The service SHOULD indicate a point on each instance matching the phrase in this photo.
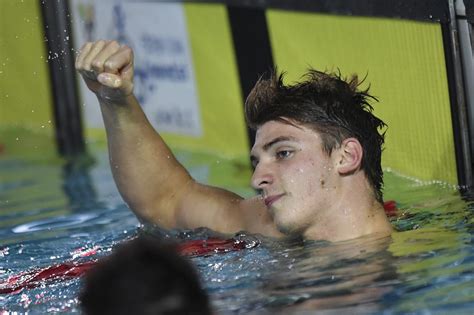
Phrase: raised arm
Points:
(150, 179)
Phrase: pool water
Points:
(52, 213)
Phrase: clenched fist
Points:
(107, 68)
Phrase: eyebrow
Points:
(269, 144)
(272, 142)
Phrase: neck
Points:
(353, 212)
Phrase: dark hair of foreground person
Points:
(143, 276)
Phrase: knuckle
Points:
(97, 63)
(98, 44)
(129, 52)
(113, 43)
(87, 44)
(83, 49)
(109, 64)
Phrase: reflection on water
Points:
(299, 276)
(54, 213)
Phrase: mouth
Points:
(272, 199)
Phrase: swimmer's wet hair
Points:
(329, 104)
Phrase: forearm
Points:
(144, 168)
(148, 176)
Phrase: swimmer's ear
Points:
(349, 157)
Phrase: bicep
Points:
(224, 211)
(211, 207)
(195, 205)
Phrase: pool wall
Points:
(403, 49)
(26, 114)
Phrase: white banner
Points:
(164, 74)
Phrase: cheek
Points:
(309, 181)
(294, 177)
(302, 183)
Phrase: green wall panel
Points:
(217, 82)
(26, 122)
(404, 63)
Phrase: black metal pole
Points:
(467, 61)
(67, 115)
(252, 48)
(458, 100)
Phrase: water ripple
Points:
(57, 222)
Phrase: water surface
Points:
(52, 213)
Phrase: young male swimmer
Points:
(316, 156)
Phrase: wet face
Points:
(296, 178)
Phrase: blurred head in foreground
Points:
(143, 276)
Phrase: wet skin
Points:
(304, 190)
(296, 178)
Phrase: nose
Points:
(262, 176)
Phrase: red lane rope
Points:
(211, 245)
(33, 278)
(390, 208)
(36, 277)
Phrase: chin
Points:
(287, 227)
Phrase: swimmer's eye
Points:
(283, 154)
(253, 162)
